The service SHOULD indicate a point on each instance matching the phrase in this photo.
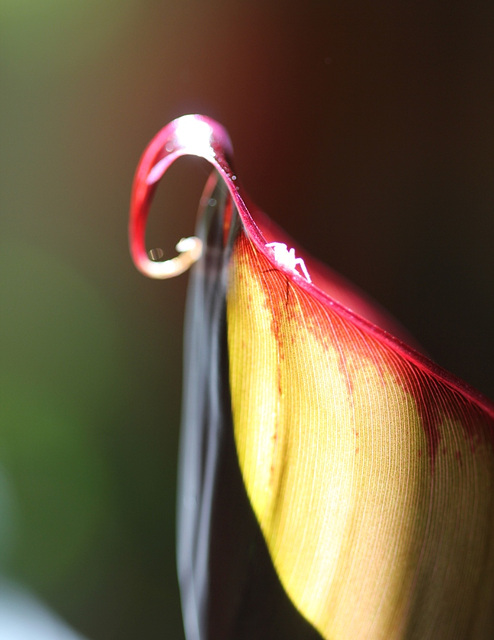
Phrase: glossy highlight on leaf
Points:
(368, 468)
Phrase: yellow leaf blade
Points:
(376, 518)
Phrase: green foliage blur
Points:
(90, 351)
(365, 129)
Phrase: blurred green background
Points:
(365, 129)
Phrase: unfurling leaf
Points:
(326, 466)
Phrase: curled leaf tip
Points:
(189, 249)
(188, 135)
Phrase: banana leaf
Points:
(334, 482)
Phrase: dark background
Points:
(365, 128)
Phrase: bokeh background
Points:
(365, 128)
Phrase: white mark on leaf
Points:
(287, 258)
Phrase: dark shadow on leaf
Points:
(230, 590)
